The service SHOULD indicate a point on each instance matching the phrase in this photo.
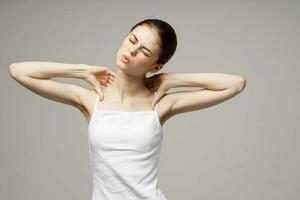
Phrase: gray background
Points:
(245, 148)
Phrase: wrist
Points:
(80, 71)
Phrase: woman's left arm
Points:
(209, 81)
(216, 88)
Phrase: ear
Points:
(156, 68)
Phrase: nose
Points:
(133, 49)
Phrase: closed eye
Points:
(143, 51)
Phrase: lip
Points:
(125, 58)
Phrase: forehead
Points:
(147, 36)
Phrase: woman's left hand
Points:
(158, 83)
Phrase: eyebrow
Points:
(143, 46)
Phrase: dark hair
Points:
(167, 37)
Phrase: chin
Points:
(121, 65)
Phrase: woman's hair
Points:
(167, 37)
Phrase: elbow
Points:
(13, 70)
(241, 84)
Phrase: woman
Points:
(124, 122)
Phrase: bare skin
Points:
(109, 103)
(132, 104)
(126, 89)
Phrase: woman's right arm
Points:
(36, 76)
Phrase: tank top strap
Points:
(156, 106)
(96, 102)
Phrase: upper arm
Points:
(61, 92)
(186, 101)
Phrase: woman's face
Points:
(141, 47)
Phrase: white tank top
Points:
(124, 152)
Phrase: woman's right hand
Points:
(97, 75)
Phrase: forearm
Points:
(210, 81)
(42, 70)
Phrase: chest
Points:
(138, 131)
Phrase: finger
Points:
(106, 82)
(111, 81)
(107, 75)
(108, 72)
(98, 89)
(112, 73)
(112, 78)
(103, 82)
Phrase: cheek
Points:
(143, 59)
(124, 45)
(141, 64)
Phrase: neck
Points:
(128, 87)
